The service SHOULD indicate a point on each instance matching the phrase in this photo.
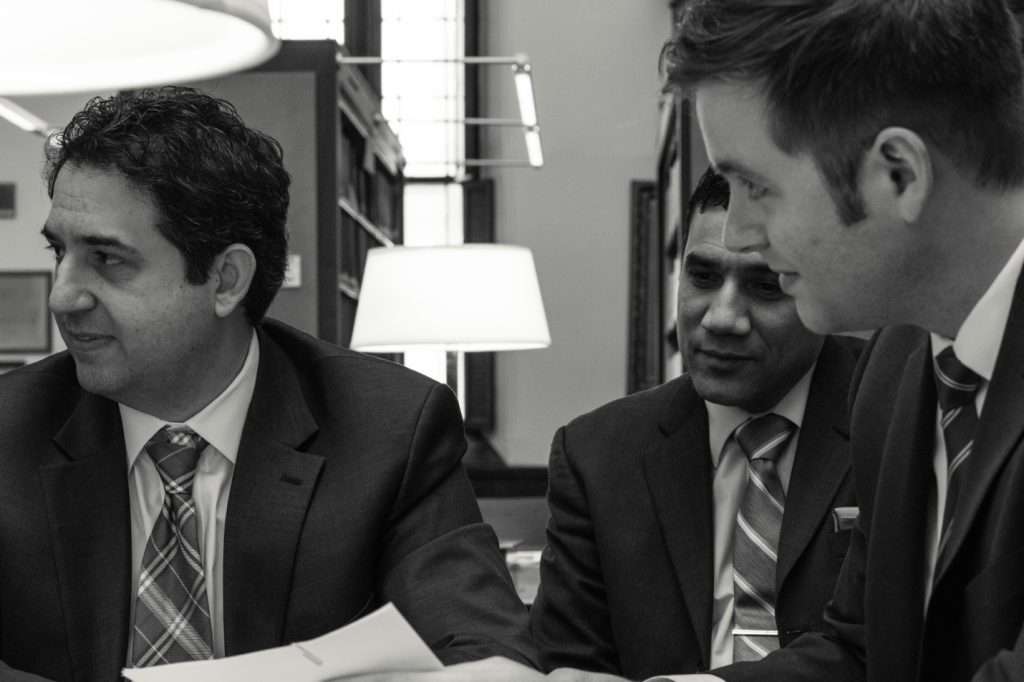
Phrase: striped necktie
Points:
(956, 386)
(172, 615)
(756, 538)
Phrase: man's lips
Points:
(85, 340)
(724, 355)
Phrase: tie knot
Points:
(954, 382)
(765, 437)
(175, 451)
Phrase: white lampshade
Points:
(65, 46)
(473, 297)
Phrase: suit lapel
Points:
(897, 541)
(678, 473)
(821, 462)
(270, 492)
(88, 514)
(1000, 429)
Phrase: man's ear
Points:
(234, 269)
(898, 174)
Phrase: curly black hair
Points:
(214, 180)
(712, 191)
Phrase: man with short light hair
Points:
(875, 149)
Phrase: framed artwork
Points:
(24, 313)
(643, 368)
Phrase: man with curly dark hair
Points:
(190, 480)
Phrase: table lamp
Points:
(471, 297)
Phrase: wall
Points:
(597, 89)
(21, 245)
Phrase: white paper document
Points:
(383, 641)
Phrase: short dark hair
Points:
(214, 180)
(712, 191)
(834, 73)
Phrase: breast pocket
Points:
(838, 545)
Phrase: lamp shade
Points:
(473, 297)
(65, 46)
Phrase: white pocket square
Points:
(843, 518)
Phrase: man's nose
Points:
(728, 312)
(69, 293)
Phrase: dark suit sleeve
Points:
(438, 562)
(10, 675)
(570, 618)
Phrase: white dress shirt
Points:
(220, 423)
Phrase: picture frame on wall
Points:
(644, 361)
(24, 312)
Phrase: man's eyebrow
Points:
(749, 269)
(93, 240)
(698, 260)
(760, 269)
(731, 167)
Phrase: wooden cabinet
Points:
(346, 167)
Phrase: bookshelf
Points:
(347, 176)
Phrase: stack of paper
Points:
(380, 642)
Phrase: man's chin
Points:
(730, 391)
(98, 380)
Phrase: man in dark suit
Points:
(190, 480)
(880, 148)
(637, 578)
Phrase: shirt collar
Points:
(220, 423)
(979, 337)
(723, 419)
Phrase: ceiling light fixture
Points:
(523, 80)
(23, 118)
(65, 46)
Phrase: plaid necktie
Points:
(956, 386)
(756, 538)
(172, 616)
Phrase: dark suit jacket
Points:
(974, 625)
(627, 575)
(348, 492)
